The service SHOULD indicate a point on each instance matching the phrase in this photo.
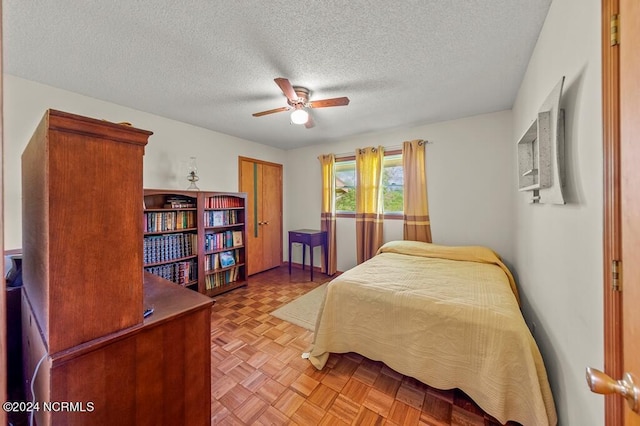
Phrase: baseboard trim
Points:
(306, 268)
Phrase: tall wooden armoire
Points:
(262, 181)
(85, 341)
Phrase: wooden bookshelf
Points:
(170, 242)
(224, 233)
(196, 238)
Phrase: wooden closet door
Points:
(248, 183)
(262, 181)
(271, 227)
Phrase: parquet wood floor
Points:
(259, 378)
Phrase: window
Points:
(392, 184)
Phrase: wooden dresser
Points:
(98, 361)
(155, 373)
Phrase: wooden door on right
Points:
(630, 196)
(262, 181)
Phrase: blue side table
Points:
(311, 238)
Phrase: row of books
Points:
(223, 202)
(220, 260)
(179, 202)
(221, 217)
(183, 273)
(169, 221)
(222, 240)
(162, 248)
(220, 279)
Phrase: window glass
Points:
(346, 186)
(392, 182)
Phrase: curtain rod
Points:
(386, 148)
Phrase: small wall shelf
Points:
(541, 152)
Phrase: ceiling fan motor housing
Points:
(303, 97)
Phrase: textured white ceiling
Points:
(211, 63)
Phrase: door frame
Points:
(3, 286)
(613, 355)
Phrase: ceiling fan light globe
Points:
(299, 116)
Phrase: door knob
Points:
(601, 383)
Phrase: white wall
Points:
(559, 248)
(469, 179)
(166, 155)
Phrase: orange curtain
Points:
(369, 207)
(417, 225)
(328, 212)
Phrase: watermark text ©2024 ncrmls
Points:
(51, 406)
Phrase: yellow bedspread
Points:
(447, 316)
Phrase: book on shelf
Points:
(218, 218)
(169, 221)
(183, 273)
(179, 203)
(175, 205)
(212, 262)
(237, 238)
(221, 217)
(164, 248)
(222, 278)
(223, 202)
(227, 259)
(218, 241)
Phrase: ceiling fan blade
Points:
(323, 103)
(286, 88)
(309, 124)
(271, 111)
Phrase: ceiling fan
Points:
(298, 100)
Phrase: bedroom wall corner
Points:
(559, 247)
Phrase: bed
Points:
(447, 316)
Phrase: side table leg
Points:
(326, 254)
(289, 256)
(311, 260)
